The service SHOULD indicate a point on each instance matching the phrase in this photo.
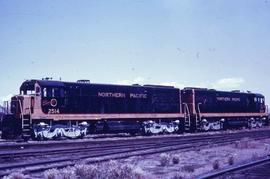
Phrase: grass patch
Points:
(16, 175)
(231, 160)
(175, 159)
(107, 170)
(216, 165)
(164, 159)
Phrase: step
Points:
(26, 135)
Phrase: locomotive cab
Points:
(260, 103)
(18, 123)
(26, 99)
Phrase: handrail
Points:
(199, 114)
(24, 112)
(186, 106)
(21, 108)
(20, 105)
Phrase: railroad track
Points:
(255, 169)
(36, 144)
(7, 155)
(61, 154)
(21, 151)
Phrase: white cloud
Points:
(228, 83)
(142, 81)
(175, 84)
(138, 80)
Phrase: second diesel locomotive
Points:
(47, 109)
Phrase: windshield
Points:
(27, 92)
(52, 92)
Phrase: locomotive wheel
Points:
(206, 126)
(252, 123)
(92, 128)
(106, 127)
(221, 125)
(260, 123)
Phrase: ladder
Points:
(26, 121)
(26, 126)
(187, 117)
(198, 118)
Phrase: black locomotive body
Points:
(86, 98)
(212, 109)
(46, 109)
(52, 108)
(212, 101)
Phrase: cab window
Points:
(27, 92)
(51, 92)
(55, 92)
(44, 92)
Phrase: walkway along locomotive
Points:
(47, 109)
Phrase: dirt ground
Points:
(177, 164)
(190, 164)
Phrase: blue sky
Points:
(222, 44)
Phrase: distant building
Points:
(2, 110)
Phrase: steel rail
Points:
(46, 151)
(125, 152)
(236, 168)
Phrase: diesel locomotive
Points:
(48, 109)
